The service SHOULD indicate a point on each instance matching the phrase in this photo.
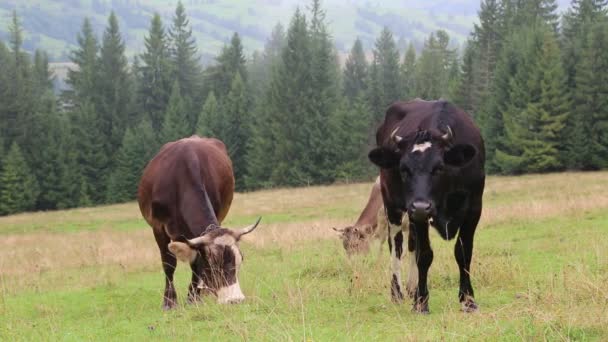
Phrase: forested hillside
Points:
(52, 25)
(290, 114)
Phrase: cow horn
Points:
(394, 137)
(341, 231)
(248, 229)
(448, 135)
(201, 240)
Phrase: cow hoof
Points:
(169, 305)
(421, 306)
(469, 305)
(396, 296)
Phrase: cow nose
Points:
(420, 210)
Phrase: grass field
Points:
(540, 272)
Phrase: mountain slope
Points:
(53, 24)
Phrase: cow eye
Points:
(437, 170)
(406, 170)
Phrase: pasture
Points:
(540, 272)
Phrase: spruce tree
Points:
(176, 124)
(237, 130)
(385, 84)
(408, 73)
(588, 143)
(355, 72)
(185, 62)
(89, 154)
(230, 62)
(464, 93)
(138, 146)
(260, 68)
(83, 79)
(18, 187)
(210, 123)
(156, 74)
(116, 111)
(325, 74)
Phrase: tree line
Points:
(292, 114)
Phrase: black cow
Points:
(432, 158)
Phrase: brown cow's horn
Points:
(341, 231)
(201, 240)
(249, 229)
(448, 135)
(396, 138)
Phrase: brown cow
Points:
(184, 194)
(370, 224)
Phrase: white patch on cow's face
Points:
(224, 240)
(422, 147)
(231, 294)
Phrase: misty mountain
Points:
(52, 25)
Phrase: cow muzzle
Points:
(231, 294)
(420, 210)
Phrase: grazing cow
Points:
(432, 158)
(184, 194)
(370, 224)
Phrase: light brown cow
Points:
(370, 225)
(184, 195)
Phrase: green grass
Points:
(541, 278)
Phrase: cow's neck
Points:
(203, 218)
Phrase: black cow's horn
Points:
(396, 138)
(448, 135)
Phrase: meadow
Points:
(540, 272)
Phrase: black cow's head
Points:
(426, 161)
(215, 258)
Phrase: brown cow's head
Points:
(426, 161)
(215, 258)
(356, 239)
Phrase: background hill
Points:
(52, 25)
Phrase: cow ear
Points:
(459, 155)
(384, 157)
(182, 251)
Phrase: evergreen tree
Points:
(355, 72)
(237, 130)
(324, 86)
(83, 79)
(534, 130)
(288, 104)
(116, 111)
(408, 73)
(155, 82)
(210, 123)
(18, 187)
(464, 93)
(138, 146)
(88, 154)
(176, 124)
(589, 141)
(260, 68)
(185, 61)
(230, 62)
(385, 85)
(18, 110)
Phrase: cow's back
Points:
(170, 174)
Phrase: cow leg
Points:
(169, 263)
(463, 251)
(194, 292)
(395, 245)
(424, 258)
(412, 272)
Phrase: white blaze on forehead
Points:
(224, 240)
(422, 147)
(230, 294)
